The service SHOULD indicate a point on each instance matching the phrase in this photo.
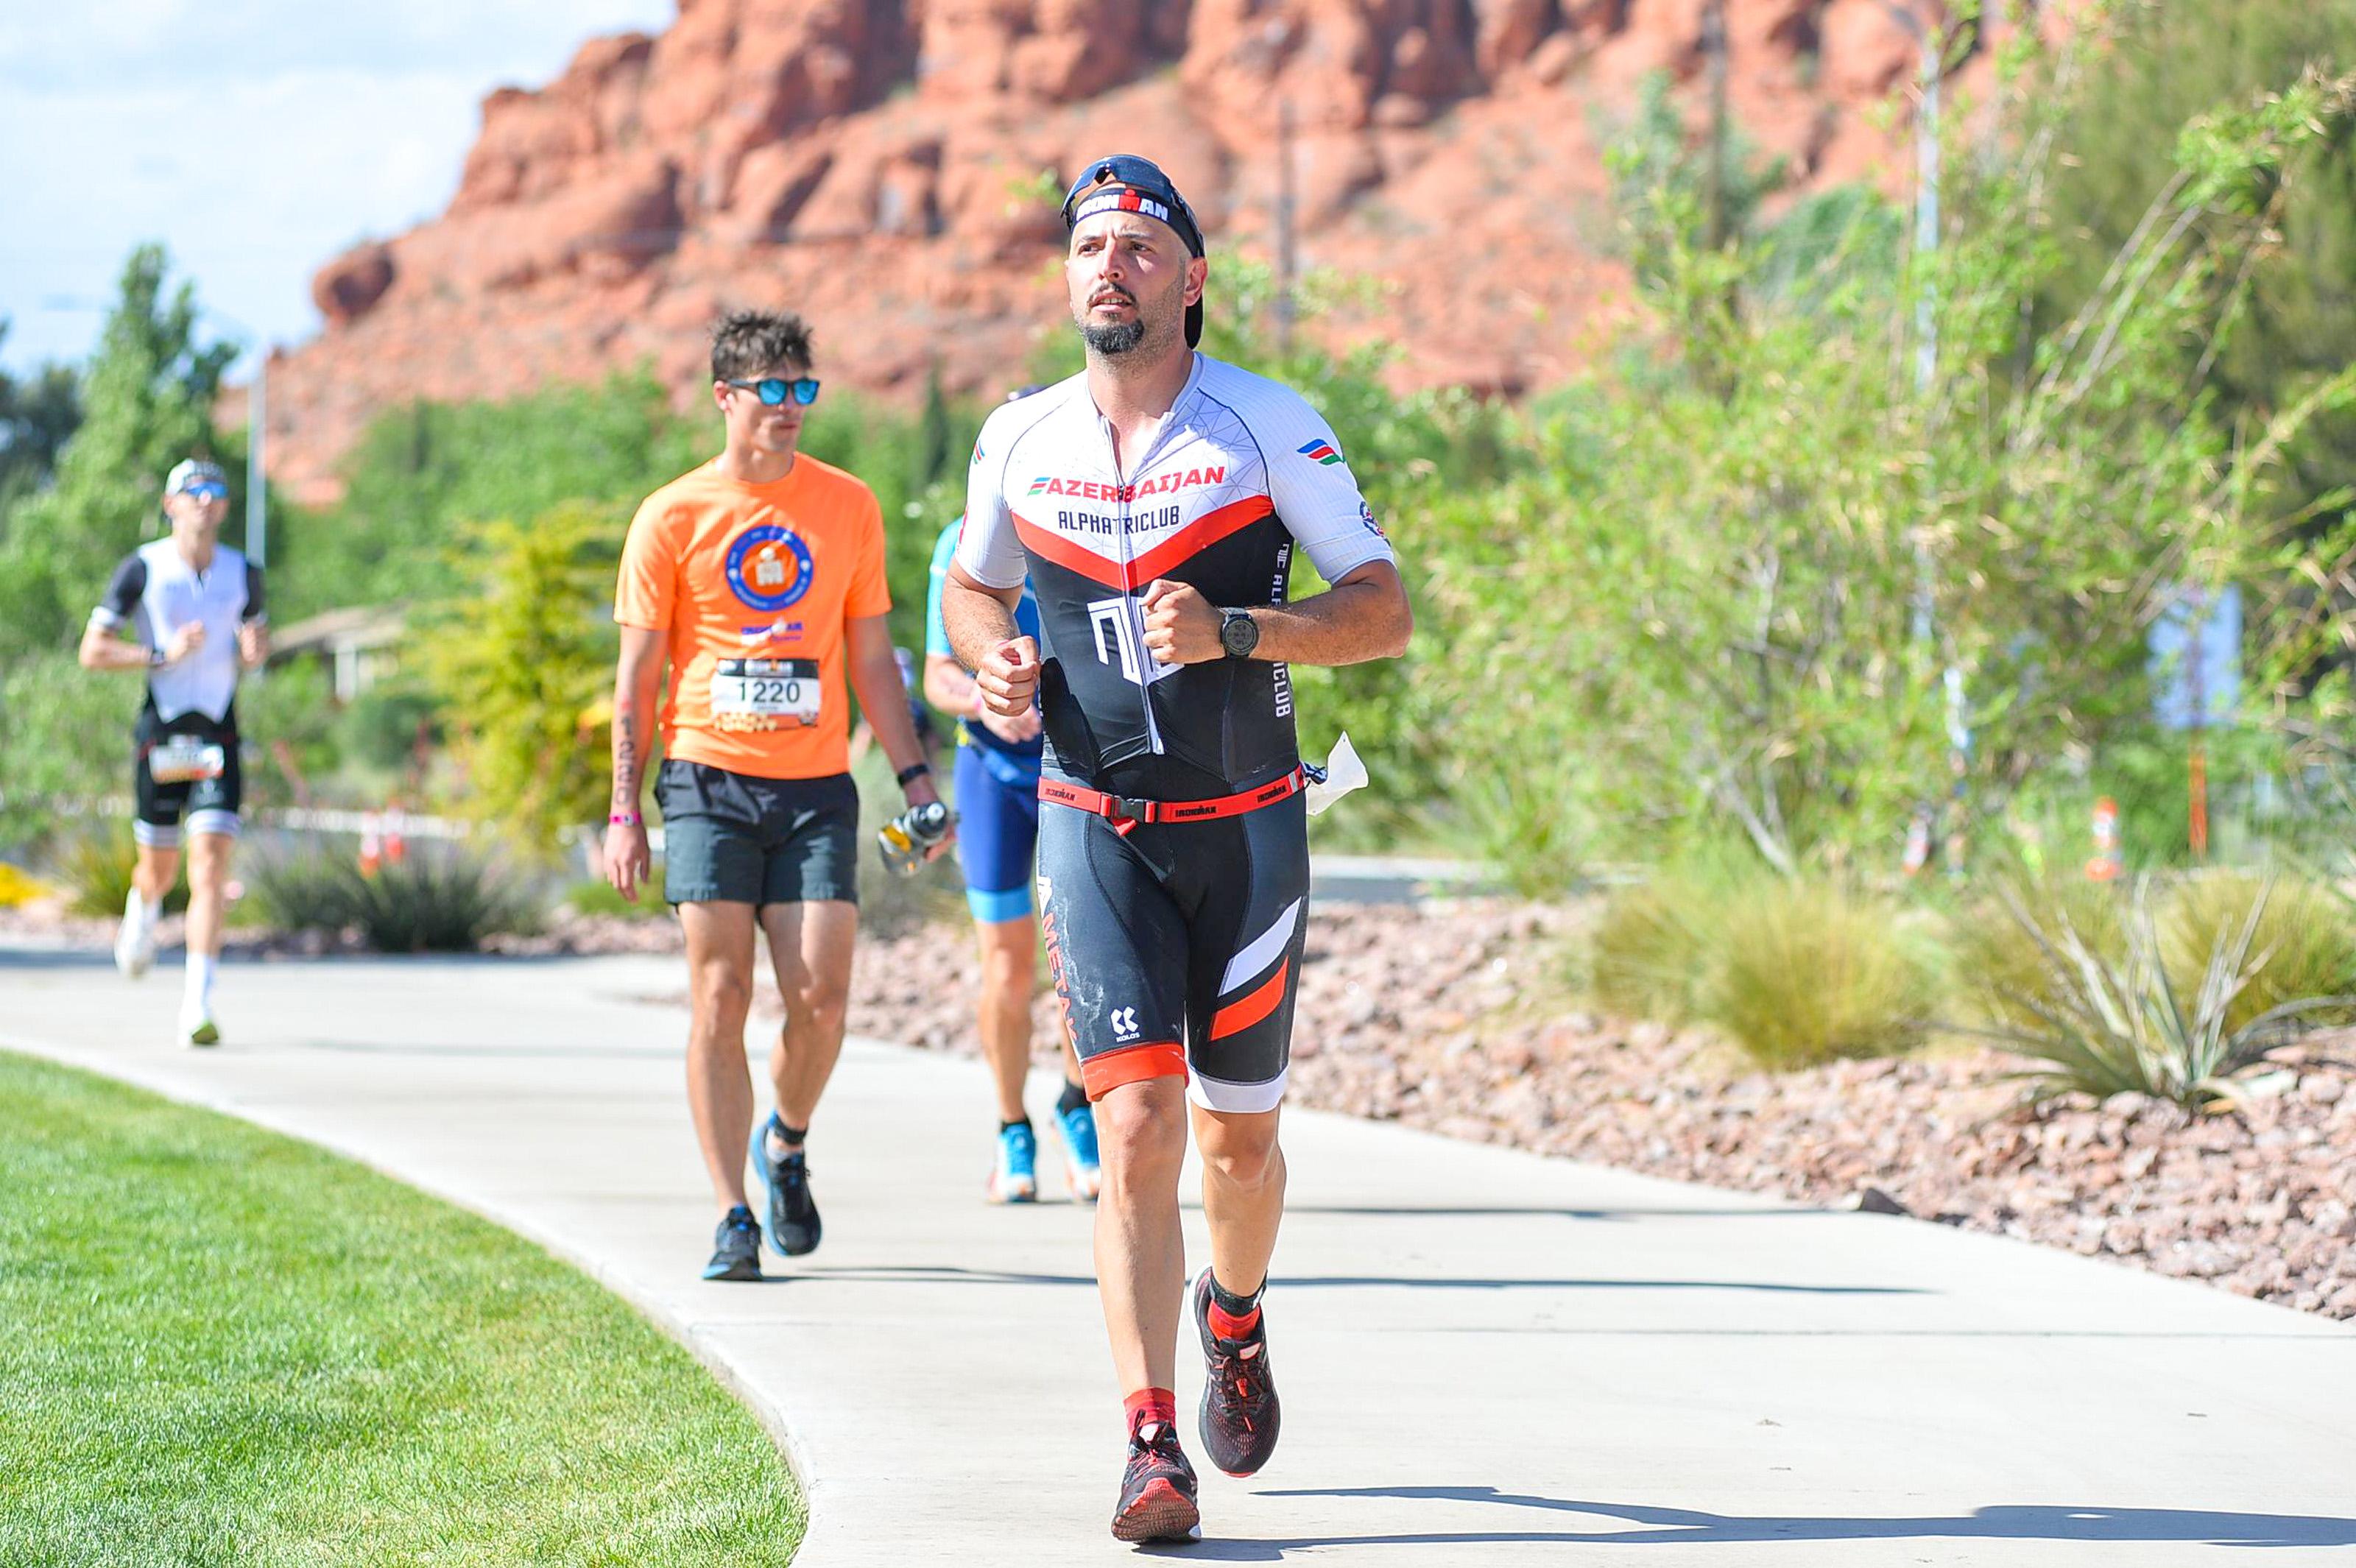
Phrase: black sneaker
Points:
(737, 1247)
(1240, 1413)
(1157, 1490)
(793, 1227)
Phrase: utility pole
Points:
(1924, 627)
(1284, 224)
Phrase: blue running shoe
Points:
(793, 1228)
(1080, 1167)
(1015, 1178)
(737, 1250)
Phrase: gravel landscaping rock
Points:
(1459, 1017)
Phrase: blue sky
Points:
(256, 138)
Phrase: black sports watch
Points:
(1238, 633)
(911, 772)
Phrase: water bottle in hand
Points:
(905, 840)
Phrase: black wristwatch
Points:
(911, 772)
(1238, 633)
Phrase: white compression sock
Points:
(199, 993)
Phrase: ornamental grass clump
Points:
(1646, 954)
(1805, 970)
(2303, 947)
(2104, 1023)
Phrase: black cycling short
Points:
(184, 769)
(732, 837)
(1176, 948)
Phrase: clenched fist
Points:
(1009, 677)
(1181, 625)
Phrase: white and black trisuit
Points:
(185, 764)
(1175, 944)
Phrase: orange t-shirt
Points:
(754, 583)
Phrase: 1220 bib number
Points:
(765, 694)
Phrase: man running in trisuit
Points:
(998, 829)
(188, 610)
(1154, 502)
(758, 580)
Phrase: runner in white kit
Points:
(187, 610)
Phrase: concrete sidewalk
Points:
(1486, 1357)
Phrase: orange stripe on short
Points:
(1100, 1075)
(1240, 1016)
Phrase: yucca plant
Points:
(2106, 1025)
(433, 901)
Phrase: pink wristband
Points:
(625, 819)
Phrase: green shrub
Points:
(1807, 970)
(65, 740)
(2106, 1024)
(435, 900)
(97, 863)
(2303, 947)
(307, 891)
(383, 726)
(1648, 950)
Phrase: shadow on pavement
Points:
(922, 1274)
(1405, 1212)
(1691, 1526)
(14, 956)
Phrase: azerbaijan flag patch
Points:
(1323, 452)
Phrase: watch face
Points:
(1240, 634)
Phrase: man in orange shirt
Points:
(758, 580)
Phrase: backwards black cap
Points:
(1126, 183)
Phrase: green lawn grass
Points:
(222, 1346)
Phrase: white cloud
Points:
(256, 138)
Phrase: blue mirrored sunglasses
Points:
(206, 490)
(772, 389)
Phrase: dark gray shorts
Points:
(736, 838)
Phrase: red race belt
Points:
(1129, 810)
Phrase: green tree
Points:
(39, 413)
(2167, 63)
(147, 400)
(1694, 620)
(522, 664)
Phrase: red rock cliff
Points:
(882, 167)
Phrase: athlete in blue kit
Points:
(998, 829)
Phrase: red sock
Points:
(1151, 1404)
(1227, 1324)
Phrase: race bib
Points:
(184, 759)
(765, 694)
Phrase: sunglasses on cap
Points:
(774, 389)
(206, 489)
(1132, 183)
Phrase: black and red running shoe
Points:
(1240, 1413)
(1157, 1490)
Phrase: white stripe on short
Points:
(1218, 1094)
(1263, 949)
